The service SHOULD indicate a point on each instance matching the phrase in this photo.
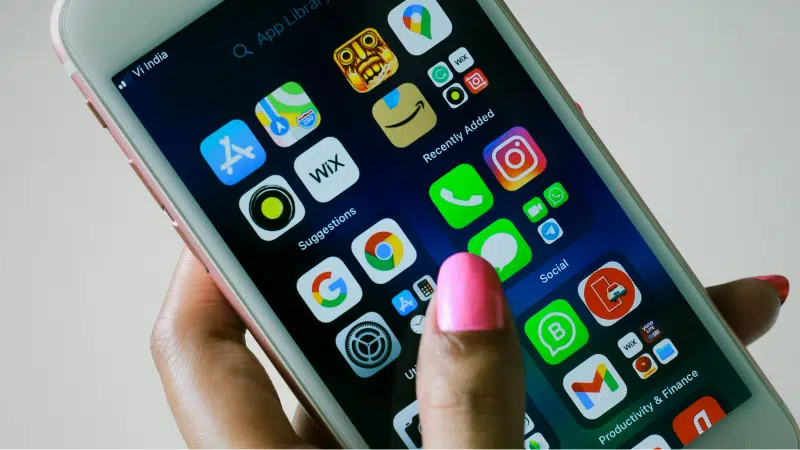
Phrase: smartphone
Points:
(322, 158)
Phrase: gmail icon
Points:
(595, 386)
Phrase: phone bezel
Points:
(129, 29)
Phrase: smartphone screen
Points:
(345, 148)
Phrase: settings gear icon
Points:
(368, 345)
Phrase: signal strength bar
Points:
(126, 80)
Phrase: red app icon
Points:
(697, 419)
(609, 293)
(476, 81)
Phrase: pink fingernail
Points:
(469, 295)
(779, 283)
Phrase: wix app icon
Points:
(326, 169)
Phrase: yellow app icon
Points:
(404, 115)
(366, 60)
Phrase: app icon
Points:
(697, 419)
(404, 115)
(515, 158)
(550, 231)
(366, 61)
(417, 324)
(425, 287)
(408, 427)
(420, 25)
(455, 96)
(440, 74)
(595, 386)
(233, 152)
(650, 332)
(665, 351)
(288, 114)
(405, 303)
(476, 81)
(653, 442)
(556, 332)
(272, 208)
(384, 251)
(609, 294)
(329, 289)
(326, 169)
(535, 210)
(645, 366)
(461, 196)
(630, 345)
(537, 442)
(556, 195)
(503, 246)
(461, 60)
(528, 425)
(368, 345)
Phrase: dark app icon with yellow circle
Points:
(404, 115)
(272, 208)
(456, 95)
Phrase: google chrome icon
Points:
(384, 251)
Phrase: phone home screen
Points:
(345, 148)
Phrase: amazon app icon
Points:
(404, 115)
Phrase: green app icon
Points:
(535, 210)
(461, 196)
(503, 246)
(556, 195)
(557, 332)
(440, 74)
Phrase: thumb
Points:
(470, 383)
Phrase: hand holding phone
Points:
(324, 159)
(198, 325)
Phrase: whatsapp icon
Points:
(556, 332)
(440, 74)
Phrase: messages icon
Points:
(503, 246)
(556, 332)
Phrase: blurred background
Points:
(696, 100)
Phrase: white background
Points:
(696, 100)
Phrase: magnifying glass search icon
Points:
(241, 51)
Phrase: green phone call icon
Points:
(461, 196)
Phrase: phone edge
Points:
(178, 222)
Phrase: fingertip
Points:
(779, 283)
(750, 306)
(469, 295)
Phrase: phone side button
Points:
(149, 189)
(96, 114)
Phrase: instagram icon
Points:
(515, 159)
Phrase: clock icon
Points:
(417, 324)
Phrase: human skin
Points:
(469, 373)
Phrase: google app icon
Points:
(384, 251)
(329, 289)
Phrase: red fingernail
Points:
(779, 283)
(469, 295)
